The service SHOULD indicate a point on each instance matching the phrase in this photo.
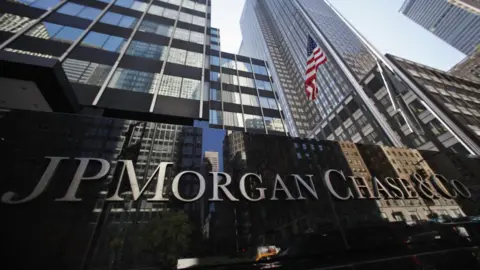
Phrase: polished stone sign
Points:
(388, 188)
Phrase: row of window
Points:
(173, 14)
(91, 73)
(243, 66)
(245, 99)
(240, 80)
(129, 22)
(114, 43)
(137, 5)
(42, 4)
(167, 30)
(234, 119)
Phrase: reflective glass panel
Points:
(191, 89)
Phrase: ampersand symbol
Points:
(423, 186)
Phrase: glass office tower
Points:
(266, 22)
(139, 60)
(345, 109)
(455, 25)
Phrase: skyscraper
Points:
(213, 158)
(363, 95)
(455, 25)
(100, 105)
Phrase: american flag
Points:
(315, 57)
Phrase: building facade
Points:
(156, 52)
(272, 222)
(364, 96)
(243, 96)
(104, 166)
(455, 25)
(469, 67)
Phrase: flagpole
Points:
(357, 87)
(464, 139)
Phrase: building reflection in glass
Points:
(100, 234)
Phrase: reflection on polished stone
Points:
(402, 222)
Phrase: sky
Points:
(226, 16)
(378, 20)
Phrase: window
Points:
(229, 79)
(215, 47)
(250, 100)
(215, 94)
(228, 63)
(231, 97)
(398, 216)
(140, 6)
(134, 80)
(244, 66)
(272, 103)
(156, 28)
(260, 70)
(436, 127)
(246, 82)
(264, 85)
(181, 34)
(71, 9)
(399, 119)
(184, 17)
(188, 4)
(199, 21)
(254, 122)
(190, 89)
(214, 76)
(200, 7)
(84, 72)
(177, 56)
(170, 86)
(170, 13)
(43, 4)
(118, 19)
(156, 10)
(417, 106)
(214, 61)
(89, 13)
(197, 37)
(194, 59)
(55, 32)
(216, 117)
(103, 41)
(233, 119)
(274, 124)
(214, 31)
(371, 137)
(264, 102)
(147, 50)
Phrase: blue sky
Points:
(378, 20)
